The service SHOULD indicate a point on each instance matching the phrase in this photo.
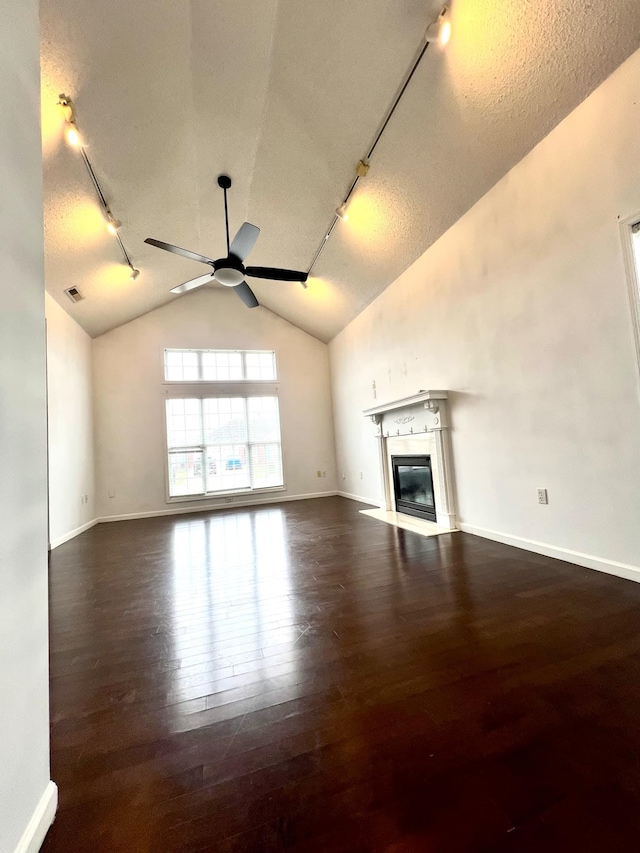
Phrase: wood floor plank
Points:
(304, 678)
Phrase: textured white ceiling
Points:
(286, 96)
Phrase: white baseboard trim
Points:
(367, 501)
(72, 533)
(611, 567)
(40, 821)
(178, 510)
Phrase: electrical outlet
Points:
(86, 499)
(324, 474)
(361, 477)
(373, 389)
(344, 475)
(112, 493)
(543, 498)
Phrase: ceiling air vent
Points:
(74, 294)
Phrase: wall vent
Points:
(74, 294)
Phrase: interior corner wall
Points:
(70, 426)
(129, 395)
(522, 311)
(26, 799)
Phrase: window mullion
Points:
(248, 444)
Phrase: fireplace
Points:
(418, 428)
(413, 486)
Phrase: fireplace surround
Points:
(417, 426)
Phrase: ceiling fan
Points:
(230, 271)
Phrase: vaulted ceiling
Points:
(286, 96)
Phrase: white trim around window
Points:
(630, 232)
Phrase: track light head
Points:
(341, 212)
(66, 105)
(113, 225)
(71, 131)
(440, 30)
(73, 135)
(445, 33)
(134, 274)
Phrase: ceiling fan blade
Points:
(176, 250)
(246, 294)
(244, 241)
(277, 274)
(195, 282)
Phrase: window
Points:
(635, 239)
(226, 438)
(204, 365)
(631, 241)
(219, 444)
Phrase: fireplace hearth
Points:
(413, 486)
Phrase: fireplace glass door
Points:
(413, 486)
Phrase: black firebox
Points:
(413, 486)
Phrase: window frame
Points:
(632, 266)
(242, 352)
(202, 389)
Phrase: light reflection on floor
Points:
(231, 596)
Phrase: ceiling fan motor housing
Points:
(228, 271)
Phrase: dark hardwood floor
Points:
(301, 677)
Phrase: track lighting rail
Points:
(75, 140)
(439, 29)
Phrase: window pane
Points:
(222, 366)
(264, 422)
(227, 467)
(184, 424)
(260, 365)
(181, 365)
(210, 366)
(235, 366)
(225, 420)
(266, 465)
(173, 365)
(186, 476)
(190, 365)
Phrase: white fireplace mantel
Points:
(413, 426)
(430, 399)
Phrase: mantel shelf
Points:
(421, 397)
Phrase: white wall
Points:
(129, 401)
(24, 681)
(70, 413)
(522, 310)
